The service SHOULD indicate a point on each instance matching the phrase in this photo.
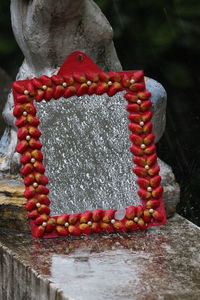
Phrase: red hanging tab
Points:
(78, 62)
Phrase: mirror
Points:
(74, 137)
(86, 153)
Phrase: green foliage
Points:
(10, 54)
(156, 35)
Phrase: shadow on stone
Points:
(5, 86)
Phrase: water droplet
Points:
(120, 214)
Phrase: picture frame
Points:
(79, 76)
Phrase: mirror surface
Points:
(86, 153)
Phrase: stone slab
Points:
(12, 211)
(162, 263)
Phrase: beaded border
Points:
(151, 211)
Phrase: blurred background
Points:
(162, 38)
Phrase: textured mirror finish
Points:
(86, 153)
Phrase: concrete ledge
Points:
(162, 263)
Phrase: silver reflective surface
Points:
(86, 153)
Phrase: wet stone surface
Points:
(162, 263)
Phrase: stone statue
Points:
(47, 32)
